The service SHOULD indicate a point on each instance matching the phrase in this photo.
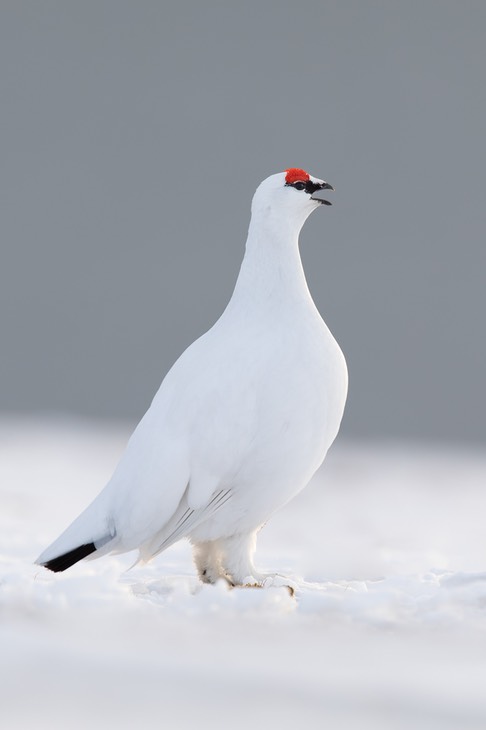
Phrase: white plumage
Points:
(242, 420)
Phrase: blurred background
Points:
(133, 138)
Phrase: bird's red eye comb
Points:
(295, 174)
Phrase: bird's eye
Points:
(299, 185)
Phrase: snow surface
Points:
(387, 549)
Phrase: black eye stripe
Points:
(309, 186)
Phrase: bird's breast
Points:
(266, 407)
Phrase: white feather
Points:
(242, 420)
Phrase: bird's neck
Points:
(271, 274)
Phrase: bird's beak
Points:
(318, 194)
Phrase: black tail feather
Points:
(73, 556)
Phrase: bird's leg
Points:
(208, 561)
(231, 559)
(237, 554)
(237, 564)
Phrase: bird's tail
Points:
(91, 534)
(62, 562)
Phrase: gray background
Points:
(133, 135)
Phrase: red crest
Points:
(295, 174)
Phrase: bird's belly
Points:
(286, 450)
(251, 504)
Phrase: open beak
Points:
(317, 195)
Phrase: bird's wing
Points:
(182, 523)
(195, 433)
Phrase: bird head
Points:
(292, 194)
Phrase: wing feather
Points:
(182, 523)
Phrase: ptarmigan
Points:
(240, 423)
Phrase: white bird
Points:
(241, 422)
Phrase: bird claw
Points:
(272, 580)
(280, 581)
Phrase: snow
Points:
(386, 549)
